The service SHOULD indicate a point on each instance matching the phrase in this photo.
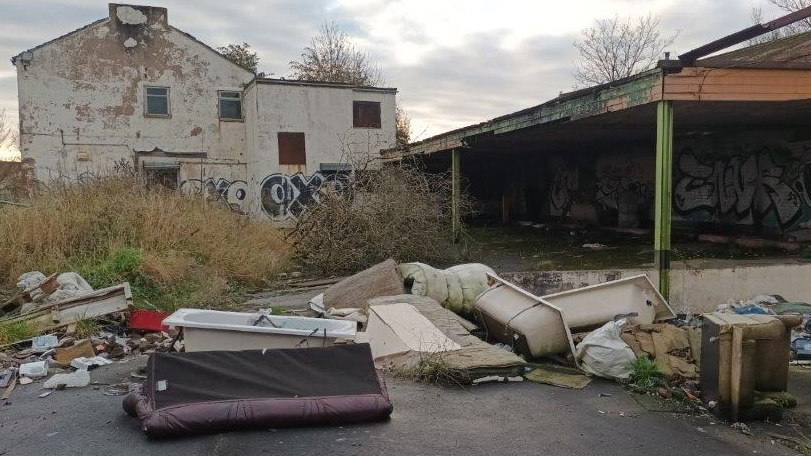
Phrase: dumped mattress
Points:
(456, 288)
(219, 391)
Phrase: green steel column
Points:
(456, 188)
(664, 190)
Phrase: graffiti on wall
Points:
(746, 188)
(622, 181)
(770, 186)
(233, 192)
(561, 193)
(285, 196)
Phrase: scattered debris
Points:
(742, 428)
(80, 349)
(148, 320)
(382, 279)
(603, 352)
(399, 334)
(45, 394)
(83, 363)
(77, 379)
(475, 358)
(558, 376)
(36, 369)
(455, 288)
(674, 349)
(42, 344)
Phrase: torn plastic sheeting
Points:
(83, 363)
(71, 285)
(456, 288)
(37, 369)
(603, 353)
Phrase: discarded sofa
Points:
(543, 326)
(219, 391)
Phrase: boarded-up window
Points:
(366, 114)
(291, 149)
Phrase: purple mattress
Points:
(218, 391)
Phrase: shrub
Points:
(397, 212)
(175, 250)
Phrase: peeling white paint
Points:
(84, 97)
(102, 31)
(129, 15)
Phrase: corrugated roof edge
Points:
(324, 84)
(477, 128)
(733, 58)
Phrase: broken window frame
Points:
(359, 121)
(285, 154)
(147, 95)
(238, 99)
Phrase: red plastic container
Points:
(148, 320)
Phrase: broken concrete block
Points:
(76, 379)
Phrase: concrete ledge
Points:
(692, 290)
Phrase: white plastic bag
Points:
(604, 354)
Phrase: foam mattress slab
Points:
(218, 391)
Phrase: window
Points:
(230, 105)
(291, 149)
(157, 102)
(366, 114)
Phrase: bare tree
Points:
(9, 137)
(402, 122)
(242, 55)
(616, 48)
(331, 56)
(788, 6)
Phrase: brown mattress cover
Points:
(217, 391)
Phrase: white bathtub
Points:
(205, 330)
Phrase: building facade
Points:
(132, 92)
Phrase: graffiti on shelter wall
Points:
(288, 196)
(561, 194)
(747, 188)
(615, 182)
(233, 192)
(769, 186)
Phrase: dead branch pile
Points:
(396, 212)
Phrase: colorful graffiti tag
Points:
(285, 196)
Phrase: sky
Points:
(454, 62)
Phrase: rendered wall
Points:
(82, 106)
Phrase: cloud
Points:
(456, 62)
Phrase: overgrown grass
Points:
(646, 375)
(86, 328)
(175, 250)
(14, 332)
